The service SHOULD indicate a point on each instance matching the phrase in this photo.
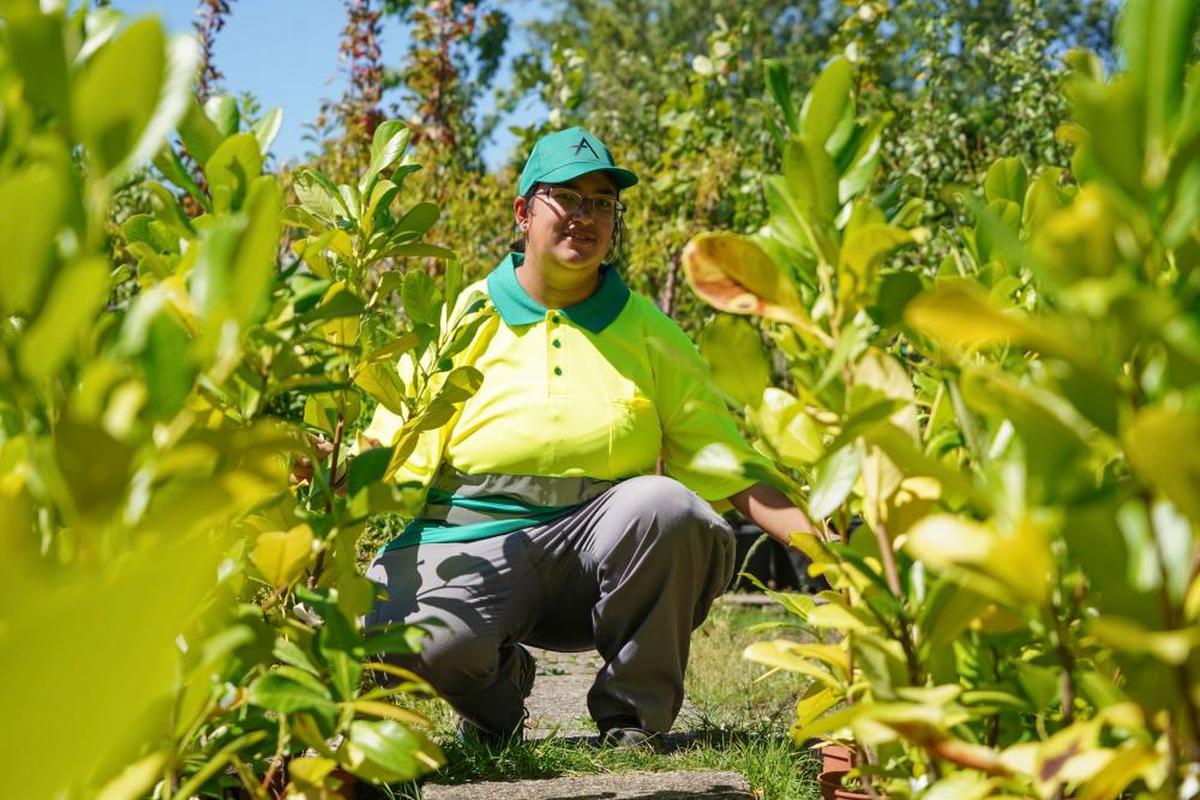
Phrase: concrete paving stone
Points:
(558, 704)
(618, 786)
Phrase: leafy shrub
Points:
(1001, 443)
(172, 613)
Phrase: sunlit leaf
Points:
(734, 274)
(740, 369)
(832, 480)
(281, 556)
(1152, 443)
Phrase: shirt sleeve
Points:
(695, 419)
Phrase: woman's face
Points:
(578, 239)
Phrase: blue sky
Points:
(285, 52)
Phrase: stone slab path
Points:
(558, 707)
(621, 786)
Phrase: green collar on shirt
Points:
(516, 307)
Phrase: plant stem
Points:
(338, 429)
(1067, 660)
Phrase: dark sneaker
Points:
(470, 732)
(630, 737)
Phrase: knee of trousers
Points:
(458, 663)
(673, 514)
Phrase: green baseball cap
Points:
(565, 155)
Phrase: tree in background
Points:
(344, 127)
(967, 83)
(210, 19)
(675, 88)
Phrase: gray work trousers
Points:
(630, 573)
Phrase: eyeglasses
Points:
(570, 201)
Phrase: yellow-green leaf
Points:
(1153, 445)
(788, 428)
(1170, 647)
(282, 555)
(740, 369)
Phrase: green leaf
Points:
(132, 93)
(1176, 542)
(367, 468)
(896, 289)
(398, 752)
(287, 691)
(421, 297)
(420, 250)
(398, 638)
(740, 369)
(281, 556)
(781, 90)
(828, 110)
(1053, 434)
(1012, 567)
(198, 133)
(338, 302)
(267, 128)
(168, 366)
(231, 169)
(1003, 221)
(35, 42)
(1152, 444)
(1156, 39)
(862, 255)
(419, 219)
(788, 428)
(173, 169)
(381, 381)
(33, 202)
(137, 779)
(957, 313)
(946, 613)
(75, 299)
(393, 350)
(99, 482)
(254, 264)
(1006, 180)
(833, 479)
(863, 161)
(319, 196)
(130, 614)
(811, 181)
(223, 111)
(1127, 635)
(461, 383)
(387, 147)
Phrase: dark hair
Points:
(616, 249)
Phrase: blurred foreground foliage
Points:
(999, 441)
(175, 617)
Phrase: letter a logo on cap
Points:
(583, 142)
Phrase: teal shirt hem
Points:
(427, 531)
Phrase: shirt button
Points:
(558, 370)
(557, 343)
(554, 319)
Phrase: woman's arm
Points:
(770, 509)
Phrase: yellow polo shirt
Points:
(571, 400)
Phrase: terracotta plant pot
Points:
(831, 787)
(836, 757)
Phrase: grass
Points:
(736, 722)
